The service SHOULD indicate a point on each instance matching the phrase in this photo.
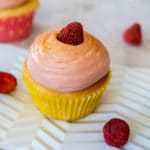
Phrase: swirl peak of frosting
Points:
(67, 68)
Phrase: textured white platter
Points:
(23, 127)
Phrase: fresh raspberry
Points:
(8, 82)
(133, 34)
(71, 34)
(116, 132)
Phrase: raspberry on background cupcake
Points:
(16, 18)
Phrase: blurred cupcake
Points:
(16, 17)
(66, 71)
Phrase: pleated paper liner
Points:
(16, 23)
(16, 28)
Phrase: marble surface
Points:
(104, 19)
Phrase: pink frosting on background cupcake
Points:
(11, 3)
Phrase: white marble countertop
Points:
(104, 19)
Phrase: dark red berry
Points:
(116, 132)
(8, 82)
(71, 34)
(133, 34)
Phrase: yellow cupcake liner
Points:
(28, 7)
(65, 106)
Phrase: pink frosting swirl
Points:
(11, 3)
(67, 68)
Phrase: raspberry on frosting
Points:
(71, 34)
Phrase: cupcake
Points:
(16, 17)
(66, 71)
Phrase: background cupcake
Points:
(16, 17)
(66, 71)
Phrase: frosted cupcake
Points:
(16, 18)
(66, 71)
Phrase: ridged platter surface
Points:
(23, 127)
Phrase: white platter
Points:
(23, 127)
